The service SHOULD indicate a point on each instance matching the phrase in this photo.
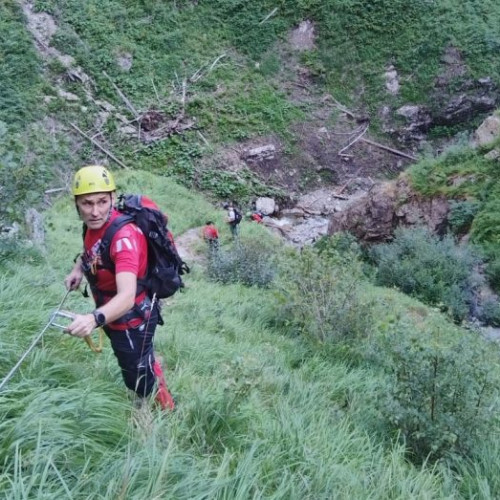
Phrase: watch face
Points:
(100, 319)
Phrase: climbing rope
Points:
(33, 344)
(57, 313)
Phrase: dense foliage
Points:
(245, 261)
(443, 392)
(437, 271)
(319, 297)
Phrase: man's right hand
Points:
(74, 278)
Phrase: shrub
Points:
(485, 226)
(436, 271)
(493, 272)
(319, 296)
(342, 244)
(489, 312)
(245, 262)
(461, 215)
(442, 398)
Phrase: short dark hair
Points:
(208, 222)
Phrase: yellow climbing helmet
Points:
(93, 179)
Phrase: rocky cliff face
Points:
(373, 217)
(455, 102)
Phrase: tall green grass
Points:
(259, 415)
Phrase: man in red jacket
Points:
(126, 313)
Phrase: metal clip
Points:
(61, 314)
(70, 317)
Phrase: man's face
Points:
(94, 208)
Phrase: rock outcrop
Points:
(455, 101)
(488, 131)
(373, 217)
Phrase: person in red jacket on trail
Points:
(257, 217)
(211, 235)
(125, 312)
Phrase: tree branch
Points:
(391, 150)
(102, 148)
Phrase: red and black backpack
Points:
(165, 266)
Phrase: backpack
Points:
(237, 216)
(165, 266)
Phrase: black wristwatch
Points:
(100, 319)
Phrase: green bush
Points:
(489, 313)
(319, 296)
(339, 245)
(245, 262)
(442, 398)
(485, 228)
(461, 215)
(436, 271)
(493, 270)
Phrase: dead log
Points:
(342, 188)
(102, 148)
(122, 95)
(166, 131)
(54, 190)
(356, 139)
(342, 107)
(391, 150)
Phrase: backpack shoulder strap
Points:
(108, 236)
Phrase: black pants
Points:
(133, 349)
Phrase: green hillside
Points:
(264, 409)
(223, 72)
(295, 375)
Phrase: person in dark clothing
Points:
(232, 219)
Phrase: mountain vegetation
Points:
(333, 372)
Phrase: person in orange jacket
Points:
(257, 217)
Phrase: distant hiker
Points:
(123, 306)
(233, 218)
(257, 216)
(211, 235)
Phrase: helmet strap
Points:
(110, 207)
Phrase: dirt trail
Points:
(187, 242)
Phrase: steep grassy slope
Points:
(260, 414)
(226, 66)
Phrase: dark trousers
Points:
(133, 349)
(213, 244)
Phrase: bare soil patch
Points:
(313, 161)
